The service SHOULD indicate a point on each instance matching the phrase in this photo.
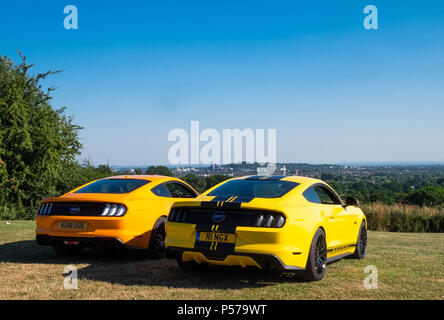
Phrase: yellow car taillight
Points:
(270, 220)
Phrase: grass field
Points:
(409, 267)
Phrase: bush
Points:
(404, 218)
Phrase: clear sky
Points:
(335, 92)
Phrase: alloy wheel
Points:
(320, 255)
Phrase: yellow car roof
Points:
(298, 179)
(301, 180)
(152, 178)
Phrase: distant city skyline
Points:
(334, 91)
(370, 164)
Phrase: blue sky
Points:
(334, 91)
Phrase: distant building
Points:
(268, 170)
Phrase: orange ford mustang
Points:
(120, 211)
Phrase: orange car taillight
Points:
(45, 209)
(114, 210)
(81, 209)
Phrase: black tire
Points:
(156, 247)
(317, 257)
(62, 249)
(361, 243)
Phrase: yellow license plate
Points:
(217, 237)
(73, 226)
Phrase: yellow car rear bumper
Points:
(266, 248)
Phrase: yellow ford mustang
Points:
(271, 222)
(120, 211)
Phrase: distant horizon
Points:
(370, 164)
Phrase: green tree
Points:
(427, 196)
(3, 182)
(202, 184)
(74, 174)
(35, 139)
(196, 182)
(211, 181)
(160, 170)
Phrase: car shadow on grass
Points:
(134, 268)
(166, 273)
(28, 251)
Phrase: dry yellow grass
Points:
(404, 218)
(409, 267)
(381, 207)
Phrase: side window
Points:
(179, 190)
(311, 195)
(326, 196)
(161, 190)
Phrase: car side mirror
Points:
(351, 201)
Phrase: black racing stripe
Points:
(220, 202)
(341, 247)
(208, 204)
(224, 248)
(231, 205)
(208, 227)
(221, 252)
(267, 178)
(243, 199)
(274, 178)
(202, 245)
(254, 177)
(221, 198)
(204, 227)
(227, 229)
(236, 199)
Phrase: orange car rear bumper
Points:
(50, 229)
